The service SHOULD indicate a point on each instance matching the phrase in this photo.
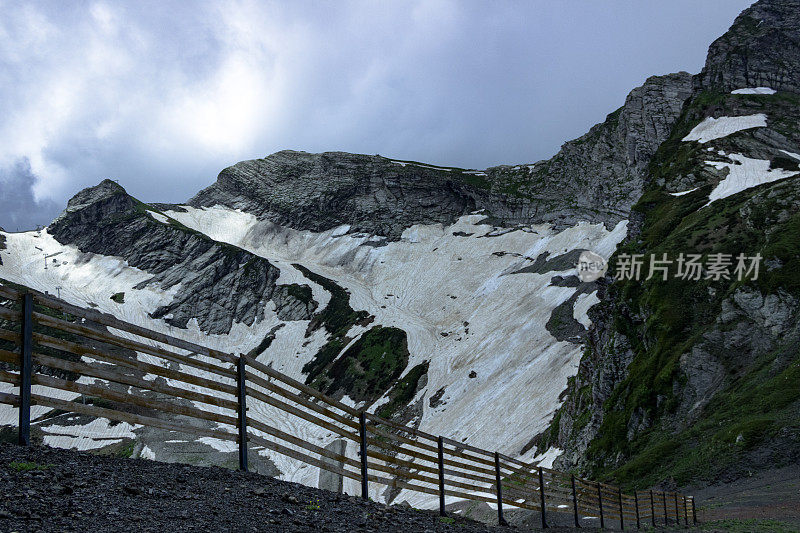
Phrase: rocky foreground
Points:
(46, 489)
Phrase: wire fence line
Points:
(46, 345)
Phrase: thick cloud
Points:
(19, 210)
(162, 95)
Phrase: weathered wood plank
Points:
(10, 377)
(9, 399)
(9, 357)
(302, 387)
(109, 321)
(110, 338)
(258, 395)
(111, 375)
(11, 336)
(261, 382)
(300, 443)
(93, 410)
(294, 454)
(9, 293)
(77, 349)
(423, 468)
(124, 398)
(10, 314)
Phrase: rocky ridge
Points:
(595, 178)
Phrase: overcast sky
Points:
(162, 95)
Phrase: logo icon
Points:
(591, 266)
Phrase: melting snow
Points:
(403, 163)
(754, 90)
(716, 128)
(147, 453)
(96, 434)
(683, 192)
(546, 459)
(582, 305)
(748, 173)
(159, 217)
(439, 283)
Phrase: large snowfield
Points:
(452, 289)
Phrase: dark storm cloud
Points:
(163, 95)
(19, 210)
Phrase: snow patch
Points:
(96, 434)
(716, 128)
(745, 175)
(581, 308)
(683, 192)
(158, 216)
(754, 90)
(546, 459)
(147, 453)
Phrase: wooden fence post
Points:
(362, 421)
(652, 508)
(664, 497)
(685, 512)
(575, 502)
(621, 517)
(541, 498)
(600, 504)
(500, 520)
(677, 512)
(636, 504)
(694, 512)
(241, 375)
(26, 371)
(440, 442)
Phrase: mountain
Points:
(448, 298)
(697, 381)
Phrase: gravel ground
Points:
(46, 489)
(768, 499)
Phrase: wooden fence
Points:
(47, 344)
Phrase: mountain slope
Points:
(694, 381)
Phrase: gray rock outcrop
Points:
(106, 220)
(762, 49)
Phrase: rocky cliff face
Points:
(318, 192)
(689, 381)
(106, 220)
(599, 176)
(762, 49)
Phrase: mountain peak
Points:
(761, 49)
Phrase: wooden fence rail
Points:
(48, 345)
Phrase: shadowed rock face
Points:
(322, 191)
(761, 49)
(106, 220)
